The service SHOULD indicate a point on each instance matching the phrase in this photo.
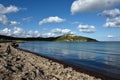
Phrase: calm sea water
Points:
(98, 56)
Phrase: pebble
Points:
(20, 65)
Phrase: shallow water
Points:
(98, 56)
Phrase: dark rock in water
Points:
(15, 45)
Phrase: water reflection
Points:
(87, 56)
(113, 60)
(99, 55)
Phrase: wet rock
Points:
(14, 44)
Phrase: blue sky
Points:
(98, 19)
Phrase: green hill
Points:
(74, 38)
(64, 38)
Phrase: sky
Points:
(98, 19)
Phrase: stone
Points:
(20, 65)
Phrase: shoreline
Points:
(94, 73)
(20, 64)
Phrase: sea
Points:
(102, 57)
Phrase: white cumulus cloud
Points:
(50, 34)
(33, 34)
(6, 32)
(13, 23)
(111, 13)
(6, 22)
(62, 31)
(19, 32)
(3, 18)
(52, 19)
(5, 10)
(86, 28)
(114, 24)
(110, 36)
(92, 5)
(112, 17)
(58, 32)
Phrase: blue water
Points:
(98, 56)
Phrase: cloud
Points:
(14, 23)
(62, 31)
(5, 10)
(4, 21)
(112, 17)
(50, 34)
(110, 36)
(33, 34)
(28, 19)
(86, 28)
(6, 32)
(92, 5)
(3, 18)
(57, 32)
(53, 19)
(19, 32)
(16, 32)
(113, 37)
(110, 13)
(114, 24)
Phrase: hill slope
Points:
(66, 38)
(74, 38)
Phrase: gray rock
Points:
(19, 65)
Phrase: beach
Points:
(16, 64)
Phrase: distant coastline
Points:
(63, 38)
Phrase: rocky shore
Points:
(16, 64)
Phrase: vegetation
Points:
(74, 38)
(65, 38)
